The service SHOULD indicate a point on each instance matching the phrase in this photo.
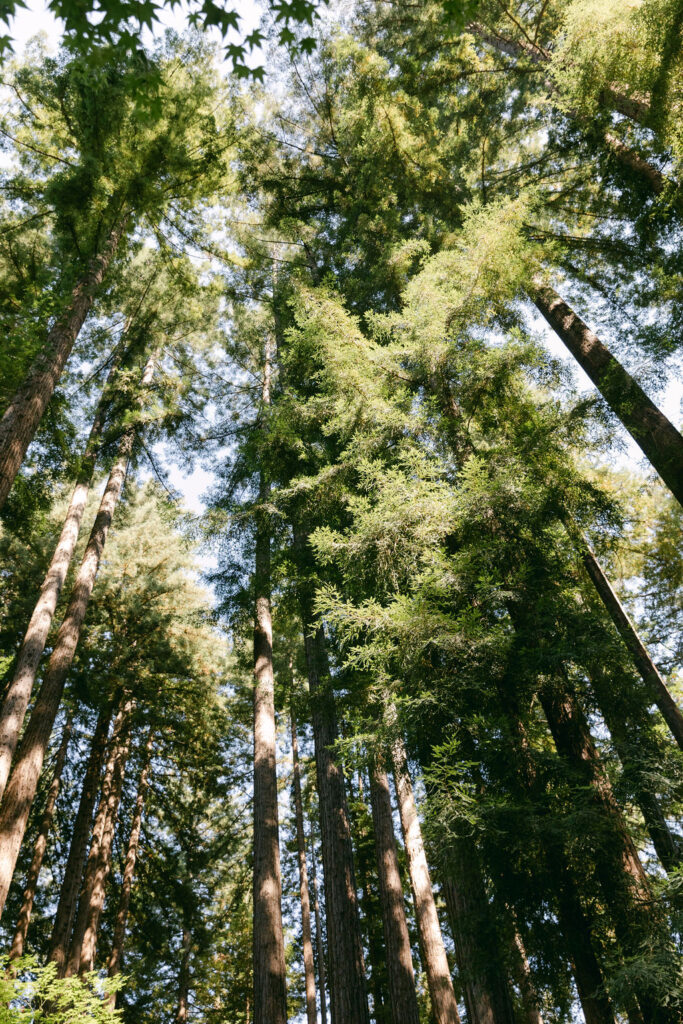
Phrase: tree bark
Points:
(116, 955)
(184, 979)
(270, 994)
(107, 796)
(322, 982)
(309, 969)
(641, 658)
(66, 908)
(19, 692)
(22, 784)
(444, 1005)
(19, 940)
(348, 999)
(656, 436)
(524, 978)
(94, 888)
(622, 878)
(26, 408)
(478, 949)
(402, 994)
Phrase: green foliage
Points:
(30, 993)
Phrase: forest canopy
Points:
(341, 495)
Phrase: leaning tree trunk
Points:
(116, 954)
(94, 889)
(66, 908)
(435, 962)
(86, 884)
(18, 694)
(23, 781)
(524, 978)
(641, 658)
(270, 993)
(307, 945)
(656, 436)
(401, 976)
(19, 940)
(322, 981)
(346, 970)
(26, 408)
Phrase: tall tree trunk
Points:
(622, 878)
(26, 408)
(73, 872)
(370, 906)
(478, 948)
(270, 994)
(322, 981)
(116, 955)
(402, 994)
(21, 788)
(183, 1009)
(18, 694)
(348, 999)
(309, 968)
(435, 962)
(641, 658)
(524, 978)
(19, 940)
(119, 739)
(94, 889)
(656, 436)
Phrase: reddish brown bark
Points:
(270, 994)
(94, 886)
(73, 871)
(18, 694)
(23, 781)
(19, 940)
(641, 657)
(116, 955)
(25, 410)
(107, 790)
(656, 436)
(399, 960)
(434, 960)
(307, 945)
(346, 969)
(523, 976)
(322, 983)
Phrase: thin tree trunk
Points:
(656, 436)
(18, 694)
(73, 872)
(116, 955)
(370, 906)
(25, 410)
(525, 981)
(21, 788)
(94, 892)
(401, 976)
(309, 969)
(322, 981)
(642, 660)
(19, 940)
(118, 738)
(478, 948)
(435, 962)
(346, 970)
(184, 979)
(270, 993)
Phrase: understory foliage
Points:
(347, 554)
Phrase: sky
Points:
(37, 18)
